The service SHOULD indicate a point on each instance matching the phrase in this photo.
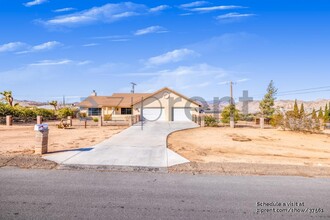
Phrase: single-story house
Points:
(163, 105)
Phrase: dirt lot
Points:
(270, 151)
(17, 142)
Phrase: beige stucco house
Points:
(162, 105)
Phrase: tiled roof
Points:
(125, 100)
(116, 100)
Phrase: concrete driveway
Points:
(141, 146)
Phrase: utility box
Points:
(41, 138)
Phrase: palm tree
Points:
(8, 96)
(54, 104)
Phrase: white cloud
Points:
(90, 45)
(110, 37)
(64, 9)
(194, 4)
(48, 72)
(120, 40)
(12, 46)
(215, 8)
(183, 78)
(150, 30)
(85, 62)
(46, 46)
(51, 62)
(41, 47)
(159, 8)
(35, 2)
(125, 15)
(171, 57)
(242, 80)
(106, 13)
(233, 16)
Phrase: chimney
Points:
(94, 93)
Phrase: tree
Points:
(296, 109)
(320, 116)
(54, 104)
(314, 116)
(8, 96)
(227, 112)
(302, 110)
(267, 104)
(326, 113)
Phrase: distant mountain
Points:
(287, 105)
(30, 103)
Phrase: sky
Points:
(51, 48)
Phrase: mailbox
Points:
(41, 127)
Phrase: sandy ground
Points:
(20, 139)
(17, 142)
(208, 148)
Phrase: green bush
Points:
(45, 113)
(248, 117)
(210, 121)
(277, 120)
(226, 114)
(96, 119)
(25, 112)
(6, 110)
(65, 112)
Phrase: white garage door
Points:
(154, 114)
(181, 114)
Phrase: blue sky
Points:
(52, 48)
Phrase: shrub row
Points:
(32, 112)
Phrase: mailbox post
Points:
(69, 121)
(41, 138)
(9, 120)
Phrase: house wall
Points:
(110, 111)
(159, 101)
(114, 112)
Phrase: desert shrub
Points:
(248, 117)
(290, 121)
(81, 115)
(96, 119)
(6, 110)
(64, 112)
(277, 120)
(24, 112)
(210, 121)
(107, 117)
(45, 113)
(225, 115)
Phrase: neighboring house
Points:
(163, 105)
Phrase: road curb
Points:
(112, 168)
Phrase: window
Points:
(126, 111)
(94, 111)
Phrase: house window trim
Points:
(92, 113)
(125, 111)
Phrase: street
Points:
(65, 194)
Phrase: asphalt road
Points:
(61, 194)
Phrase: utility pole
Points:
(231, 93)
(133, 86)
(63, 100)
(232, 108)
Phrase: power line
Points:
(304, 92)
(300, 91)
